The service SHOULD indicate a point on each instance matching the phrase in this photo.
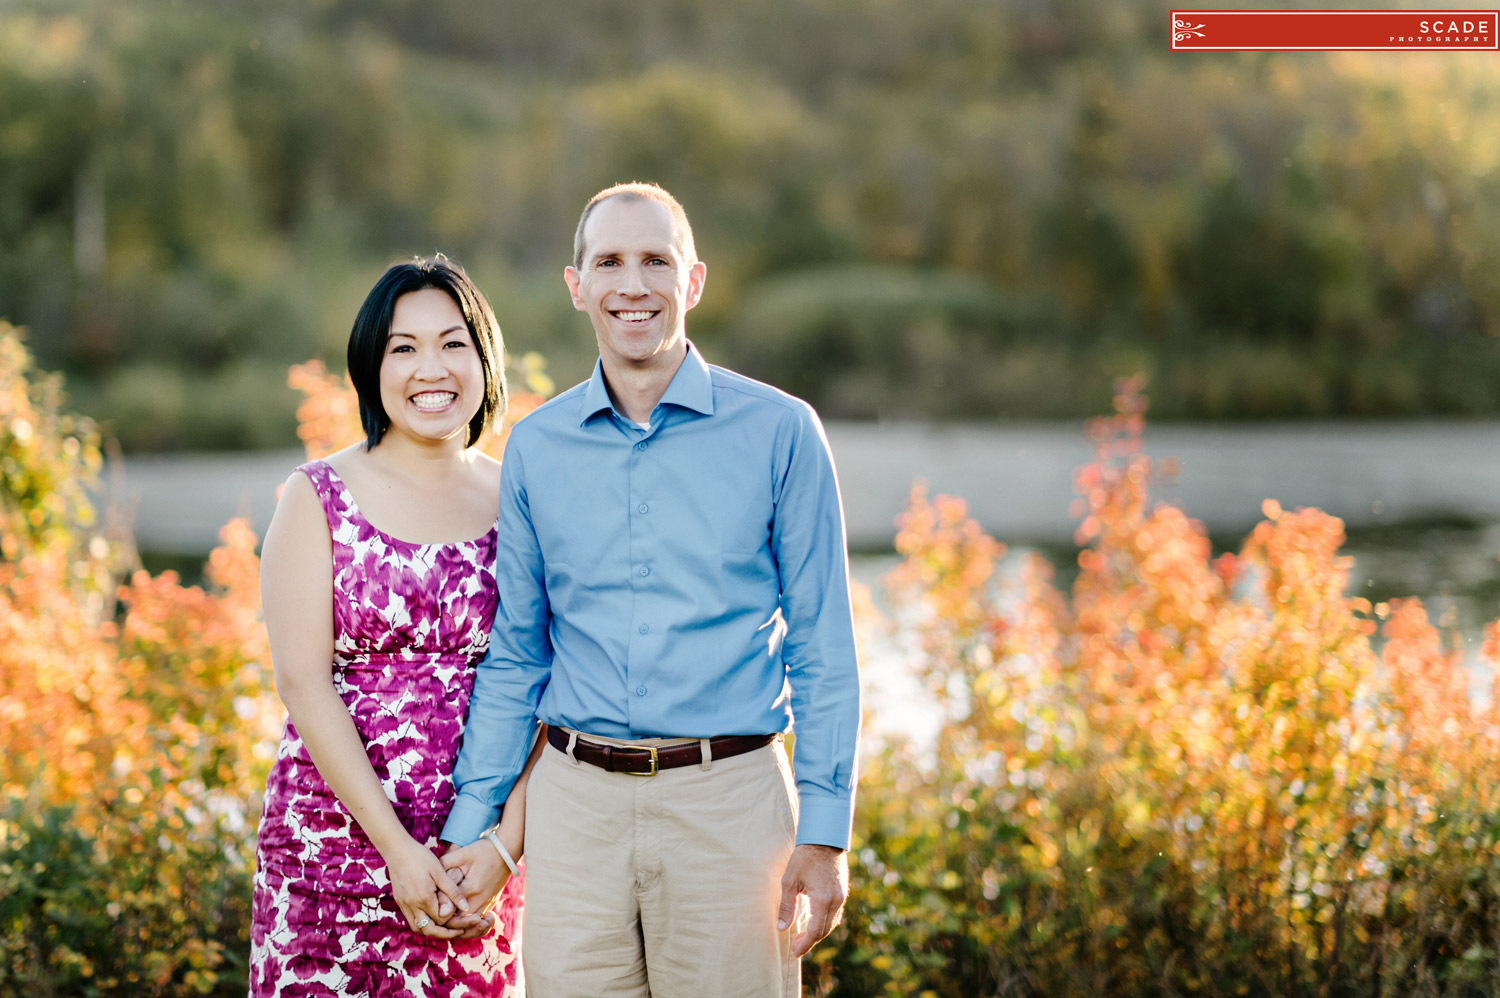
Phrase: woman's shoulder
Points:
(317, 483)
(481, 463)
(484, 474)
(344, 462)
(302, 506)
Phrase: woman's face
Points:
(431, 377)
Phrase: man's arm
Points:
(509, 682)
(477, 868)
(807, 538)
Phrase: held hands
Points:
(480, 875)
(821, 873)
(426, 894)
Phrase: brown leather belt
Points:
(649, 760)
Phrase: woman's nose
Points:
(431, 366)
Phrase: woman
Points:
(378, 590)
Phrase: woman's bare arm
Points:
(297, 600)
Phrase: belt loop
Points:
(708, 754)
(572, 742)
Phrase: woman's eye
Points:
(460, 344)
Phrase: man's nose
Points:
(631, 283)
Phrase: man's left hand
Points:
(822, 873)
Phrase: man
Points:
(673, 594)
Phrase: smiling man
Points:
(674, 596)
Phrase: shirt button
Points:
(642, 445)
(640, 691)
(643, 629)
(645, 570)
(642, 508)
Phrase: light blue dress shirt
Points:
(685, 580)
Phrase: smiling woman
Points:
(432, 377)
(378, 592)
(425, 303)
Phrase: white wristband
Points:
(494, 837)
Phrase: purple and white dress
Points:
(411, 621)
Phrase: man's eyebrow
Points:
(664, 251)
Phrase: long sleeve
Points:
(510, 680)
(807, 540)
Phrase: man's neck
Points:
(636, 389)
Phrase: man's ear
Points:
(697, 275)
(571, 277)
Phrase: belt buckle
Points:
(653, 770)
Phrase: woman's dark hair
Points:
(372, 329)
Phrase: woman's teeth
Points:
(433, 401)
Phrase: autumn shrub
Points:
(139, 716)
(137, 721)
(1188, 776)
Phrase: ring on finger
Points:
(423, 922)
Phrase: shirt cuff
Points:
(824, 821)
(468, 820)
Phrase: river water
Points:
(1421, 500)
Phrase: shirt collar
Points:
(691, 387)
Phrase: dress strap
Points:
(332, 493)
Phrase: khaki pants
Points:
(664, 886)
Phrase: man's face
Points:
(634, 283)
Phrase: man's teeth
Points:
(433, 400)
(635, 316)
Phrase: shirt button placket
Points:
(640, 532)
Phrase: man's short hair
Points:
(372, 330)
(639, 191)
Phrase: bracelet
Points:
(494, 837)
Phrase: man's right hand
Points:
(480, 875)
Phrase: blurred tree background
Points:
(954, 209)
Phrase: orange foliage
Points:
(64, 706)
(1229, 714)
(137, 736)
(328, 415)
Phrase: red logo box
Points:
(1347, 30)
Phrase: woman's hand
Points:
(424, 891)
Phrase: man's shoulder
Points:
(756, 393)
(560, 411)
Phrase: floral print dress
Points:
(411, 621)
